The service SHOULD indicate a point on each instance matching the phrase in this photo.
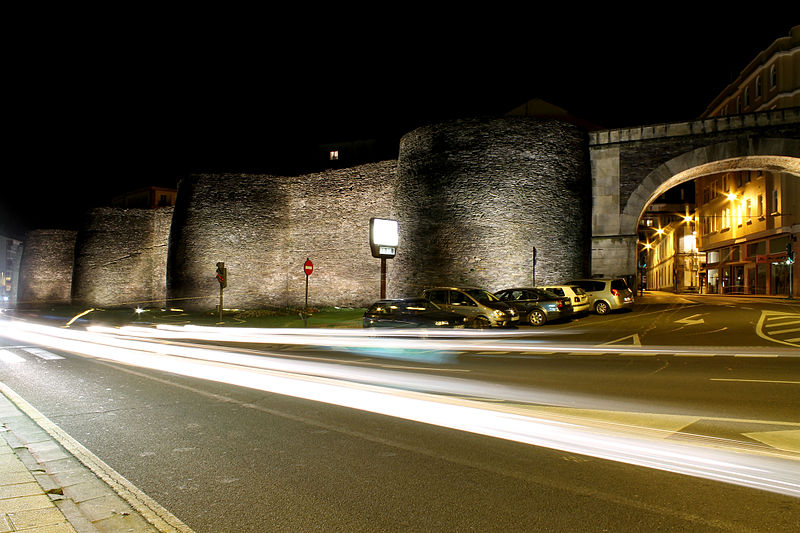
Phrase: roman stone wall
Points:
(475, 197)
(46, 267)
(264, 228)
(121, 257)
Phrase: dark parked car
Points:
(536, 306)
(482, 308)
(411, 313)
(606, 295)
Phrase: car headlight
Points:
(498, 313)
(441, 323)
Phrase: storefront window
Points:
(780, 278)
(737, 280)
(761, 279)
(713, 280)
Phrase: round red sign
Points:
(308, 267)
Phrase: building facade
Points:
(10, 256)
(749, 220)
(738, 236)
(748, 224)
(770, 81)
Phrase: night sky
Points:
(97, 112)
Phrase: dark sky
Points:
(95, 112)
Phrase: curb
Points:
(74, 491)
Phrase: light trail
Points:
(444, 341)
(715, 459)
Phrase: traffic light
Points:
(222, 275)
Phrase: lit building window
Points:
(334, 155)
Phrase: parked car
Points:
(578, 297)
(411, 313)
(482, 308)
(606, 295)
(536, 306)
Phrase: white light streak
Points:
(340, 385)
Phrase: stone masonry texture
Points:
(121, 257)
(264, 228)
(474, 197)
(46, 267)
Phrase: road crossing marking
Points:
(770, 321)
(42, 354)
(10, 357)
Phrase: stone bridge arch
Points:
(631, 168)
(760, 154)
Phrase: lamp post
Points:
(383, 240)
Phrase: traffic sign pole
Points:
(308, 268)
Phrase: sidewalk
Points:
(49, 483)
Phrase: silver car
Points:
(482, 308)
(606, 295)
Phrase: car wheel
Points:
(481, 322)
(602, 308)
(537, 317)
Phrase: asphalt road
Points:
(228, 458)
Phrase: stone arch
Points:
(775, 154)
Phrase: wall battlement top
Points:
(777, 117)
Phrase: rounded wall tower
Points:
(475, 197)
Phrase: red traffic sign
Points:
(308, 267)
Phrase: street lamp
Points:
(384, 237)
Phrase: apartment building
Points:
(748, 222)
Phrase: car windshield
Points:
(482, 296)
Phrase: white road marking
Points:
(42, 354)
(768, 320)
(10, 357)
(691, 320)
(757, 380)
(635, 341)
(790, 330)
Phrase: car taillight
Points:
(560, 303)
(615, 292)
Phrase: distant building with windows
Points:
(10, 256)
(670, 259)
(770, 81)
(749, 221)
(146, 198)
(734, 237)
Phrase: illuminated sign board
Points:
(383, 237)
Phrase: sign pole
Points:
(308, 268)
(383, 278)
